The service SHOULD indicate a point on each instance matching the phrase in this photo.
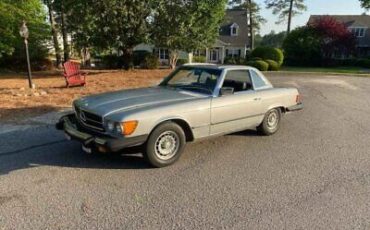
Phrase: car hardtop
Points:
(219, 66)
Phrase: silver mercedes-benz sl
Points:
(194, 102)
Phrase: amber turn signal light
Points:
(128, 127)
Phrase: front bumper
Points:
(296, 107)
(93, 140)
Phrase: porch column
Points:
(190, 57)
(207, 55)
(222, 54)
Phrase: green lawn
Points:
(335, 70)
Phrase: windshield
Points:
(196, 79)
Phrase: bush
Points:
(302, 47)
(234, 60)
(112, 61)
(229, 61)
(151, 62)
(256, 59)
(260, 65)
(362, 62)
(268, 53)
(139, 57)
(181, 62)
(199, 59)
(273, 65)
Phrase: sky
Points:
(313, 7)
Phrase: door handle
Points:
(257, 99)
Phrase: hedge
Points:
(199, 59)
(273, 65)
(268, 53)
(151, 62)
(260, 65)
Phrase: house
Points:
(232, 41)
(359, 25)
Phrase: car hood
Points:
(119, 101)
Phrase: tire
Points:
(165, 145)
(270, 123)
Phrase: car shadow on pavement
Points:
(65, 154)
(249, 132)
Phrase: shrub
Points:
(260, 65)
(151, 62)
(256, 59)
(362, 62)
(182, 61)
(199, 59)
(273, 65)
(139, 57)
(302, 47)
(229, 61)
(269, 53)
(234, 60)
(112, 61)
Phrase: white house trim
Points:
(234, 29)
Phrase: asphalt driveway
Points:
(313, 174)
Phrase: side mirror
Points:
(226, 91)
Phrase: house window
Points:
(233, 52)
(162, 54)
(234, 29)
(358, 32)
(198, 53)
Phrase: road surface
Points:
(313, 174)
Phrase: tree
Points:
(273, 39)
(54, 32)
(319, 42)
(186, 25)
(302, 47)
(335, 37)
(62, 9)
(365, 4)
(82, 27)
(286, 9)
(254, 18)
(12, 13)
(121, 24)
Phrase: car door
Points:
(262, 88)
(236, 111)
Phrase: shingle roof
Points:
(240, 18)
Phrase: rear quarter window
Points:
(258, 82)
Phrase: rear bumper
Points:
(296, 107)
(94, 141)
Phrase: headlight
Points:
(110, 126)
(119, 128)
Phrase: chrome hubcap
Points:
(166, 145)
(272, 120)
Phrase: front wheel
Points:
(165, 145)
(270, 123)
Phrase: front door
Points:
(237, 111)
(214, 55)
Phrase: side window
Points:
(257, 80)
(239, 80)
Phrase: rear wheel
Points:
(165, 145)
(271, 122)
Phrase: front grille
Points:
(89, 120)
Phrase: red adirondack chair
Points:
(73, 75)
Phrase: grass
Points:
(333, 70)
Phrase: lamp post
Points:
(23, 31)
